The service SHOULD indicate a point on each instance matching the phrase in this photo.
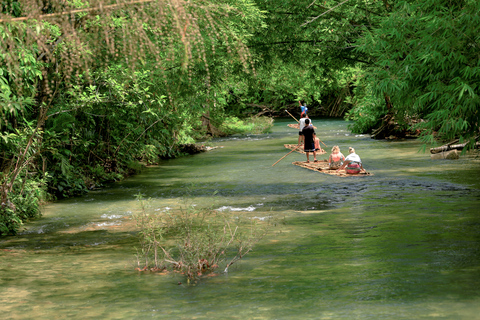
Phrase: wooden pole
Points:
(286, 155)
(299, 122)
(322, 142)
(292, 116)
(71, 12)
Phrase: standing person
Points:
(353, 163)
(302, 125)
(336, 158)
(309, 140)
(303, 108)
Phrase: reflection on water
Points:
(402, 244)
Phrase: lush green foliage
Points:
(22, 186)
(425, 58)
(23, 204)
(84, 98)
(255, 125)
(305, 52)
(368, 110)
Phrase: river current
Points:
(403, 243)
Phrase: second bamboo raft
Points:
(300, 150)
(323, 167)
(296, 126)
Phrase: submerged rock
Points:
(451, 155)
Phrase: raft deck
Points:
(300, 150)
(322, 166)
(296, 126)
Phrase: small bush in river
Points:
(193, 241)
(22, 204)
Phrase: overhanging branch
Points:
(323, 13)
(63, 13)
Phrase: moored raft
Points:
(323, 167)
(296, 126)
(300, 150)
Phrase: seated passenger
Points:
(352, 163)
(336, 158)
(317, 145)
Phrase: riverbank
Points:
(66, 177)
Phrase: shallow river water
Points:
(401, 244)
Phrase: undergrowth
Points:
(193, 241)
(253, 125)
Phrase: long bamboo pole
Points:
(71, 12)
(322, 142)
(299, 122)
(292, 116)
(286, 155)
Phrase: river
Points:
(401, 244)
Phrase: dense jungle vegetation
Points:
(89, 90)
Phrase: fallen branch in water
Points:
(450, 146)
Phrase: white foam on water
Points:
(111, 216)
(249, 209)
(262, 218)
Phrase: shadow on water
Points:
(402, 244)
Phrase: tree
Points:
(425, 60)
(107, 66)
(306, 51)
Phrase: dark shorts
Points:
(309, 147)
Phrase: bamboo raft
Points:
(296, 126)
(300, 150)
(323, 167)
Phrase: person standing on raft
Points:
(309, 140)
(301, 125)
(303, 108)
(352, 162)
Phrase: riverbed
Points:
(403, 243)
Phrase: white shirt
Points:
(353, 157)
(302, 123)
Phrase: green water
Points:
(402, 244)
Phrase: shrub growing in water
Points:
(22, 204)
(193, 241)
